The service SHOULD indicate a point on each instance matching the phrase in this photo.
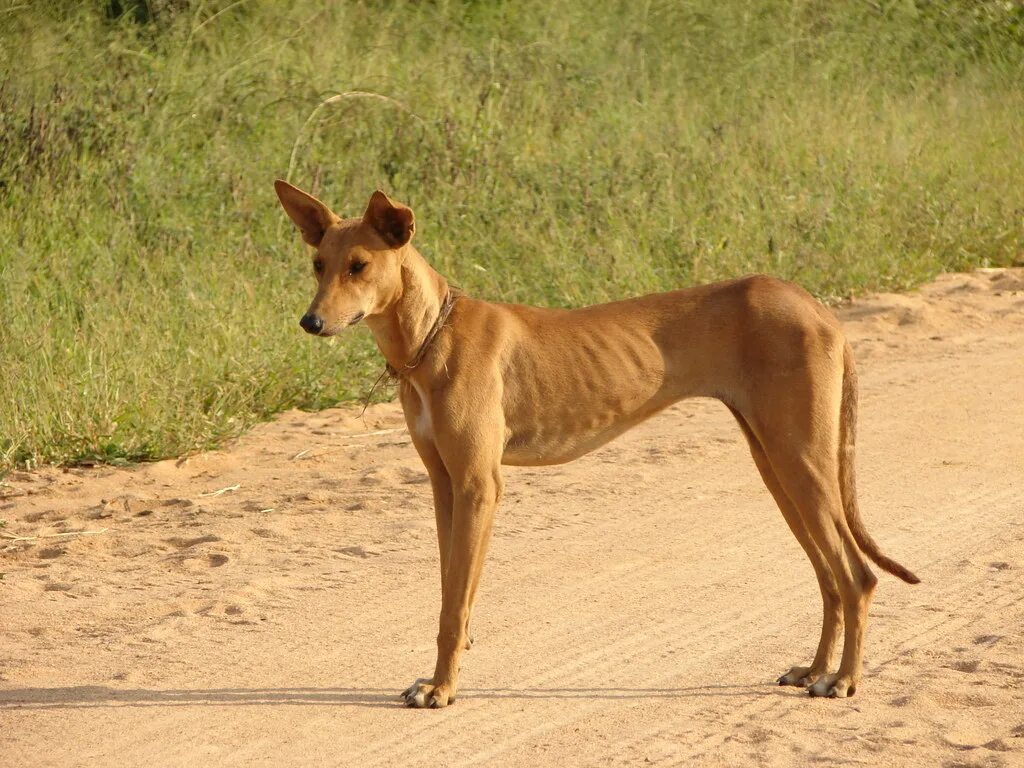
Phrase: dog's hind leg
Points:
(802, 450)
(832, 620)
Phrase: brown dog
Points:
(487, 384)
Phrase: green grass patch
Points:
(557, 153)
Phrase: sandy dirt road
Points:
(265, 604)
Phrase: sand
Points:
(265, 604)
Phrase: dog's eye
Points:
(318, 266)
(356, 267)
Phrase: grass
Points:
(557, 153)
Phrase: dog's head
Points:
(357, 263)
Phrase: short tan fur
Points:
(507, 384)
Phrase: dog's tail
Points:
(847, 477)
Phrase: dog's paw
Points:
(801, 676)
(423, 694)
(833, 687)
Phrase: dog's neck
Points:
(401, 329)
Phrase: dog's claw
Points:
(830, 694)
(832, 687)
(411, 690)
(800, 676)
(423, 694)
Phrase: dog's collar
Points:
(442, 319)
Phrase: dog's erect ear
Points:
(393, 221)
(310, 215)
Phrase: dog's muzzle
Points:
(312, 323)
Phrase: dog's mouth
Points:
(336, 328)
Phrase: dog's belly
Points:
(556, 432)
(545, 449)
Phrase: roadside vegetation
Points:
(557, 153)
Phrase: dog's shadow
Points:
(84, 696)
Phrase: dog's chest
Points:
(420, 423)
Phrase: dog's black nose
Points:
(311, 323)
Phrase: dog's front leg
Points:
(476, 496)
